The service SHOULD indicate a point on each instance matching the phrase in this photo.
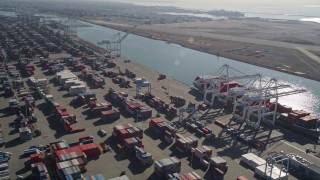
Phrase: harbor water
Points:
(185, 64)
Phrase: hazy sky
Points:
(228, 3)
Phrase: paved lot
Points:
(112, 163)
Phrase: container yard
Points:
(70, 114)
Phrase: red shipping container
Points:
(204, 130)
(123, 133)
(292, 117)
(301, 113)
(91, 150)
(155, 121)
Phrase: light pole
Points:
(137, 112)
(192, 151)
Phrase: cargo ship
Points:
(298, 121)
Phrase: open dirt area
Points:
(287, 46)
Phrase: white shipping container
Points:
(73, 82)
(74, 90)
(252, 160)
(63, 79)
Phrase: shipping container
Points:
(252, 160)
(167, 166)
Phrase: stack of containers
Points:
(64, 76)
(202, 153)
(218, 166)
(145, 158)
(3, 75)
(161, 128)
(97, 107)
(130, 143)
(283, 109)
(155, 102)
(121, 132)
(111, 115)
(69, 154)
(74, 162)
(171, 112)
(4, 166)
(294, 116)
(41, 85)
(73, 172)
(39, 170)
(131, 105)
(144, 112)
(25, 134)
(167, 166)
(59, 146)
(90, 150)
(12, 70)
(252, 160)
(118, 96)
(308, 122)
(185, 144)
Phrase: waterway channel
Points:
(185, 64)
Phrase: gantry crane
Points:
(220, 85)
(72, 25)
(115, 45)
(25, 13)
(254, 107)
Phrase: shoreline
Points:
(124, 28)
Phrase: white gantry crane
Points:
(114, 45)
(71, 25)
(223, 81)
(255, 106)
